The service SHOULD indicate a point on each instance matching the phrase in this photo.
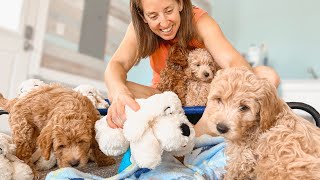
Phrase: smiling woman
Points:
(163, 18)
(158, 21)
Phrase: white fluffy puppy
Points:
(28, 85)
(10, 166)
(93, 94)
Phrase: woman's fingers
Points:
(116, 111)
(129, 101)
(132, 103)
(119, 117)
(109, 118)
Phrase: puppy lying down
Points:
(53, 117)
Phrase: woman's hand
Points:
(116, 111)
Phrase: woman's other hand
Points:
(116, 111)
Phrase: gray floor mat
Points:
(92, 168)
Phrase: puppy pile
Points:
(265, 139)
(53, 124)
(188, 73)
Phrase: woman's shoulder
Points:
(197, 13)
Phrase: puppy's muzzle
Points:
(74, 163)
(222, 128)
(185, 129)
(206, 74)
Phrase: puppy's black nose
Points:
(74, 163)
(222, 128)
(206, 74)
(185, 129)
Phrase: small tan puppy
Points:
(199, 74)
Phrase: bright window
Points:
(10, 14)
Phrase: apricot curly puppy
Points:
(58, 118)
(172, 77)
(265, 139)
(199, 74)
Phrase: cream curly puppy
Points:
(265, 139)
(199, 74)
(93, 94)
(29, 85)
(10, 166)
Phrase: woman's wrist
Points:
(116, 90)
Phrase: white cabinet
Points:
(306, 91)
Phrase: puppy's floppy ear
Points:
(216, 66)
(44, 141)
(100, 158)
(270, 105)
(178, 55)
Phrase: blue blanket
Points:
(206, 161)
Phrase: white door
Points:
(18, 19)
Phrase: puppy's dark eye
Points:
(218, 100)
(198, 65)
(81, 142)
(243, 108)
(61, 146)
(36, 85)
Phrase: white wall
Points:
(290, 29)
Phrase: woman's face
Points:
(163, 17)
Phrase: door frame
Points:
(32, 15)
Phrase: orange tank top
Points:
(158, 58)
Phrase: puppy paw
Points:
(105, 161)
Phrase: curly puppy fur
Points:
(265, 139)
(199, 74)
(172, 77)
(58, 118)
